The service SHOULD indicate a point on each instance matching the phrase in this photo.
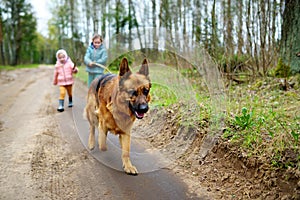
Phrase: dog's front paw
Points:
(130, 169)
(91, 144)
(91, 147)
(103, 147)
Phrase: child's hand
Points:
(91, 64)
(75, 70)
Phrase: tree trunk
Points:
(95, 16)
(88, 17)
(273, 31)
(214, 38)
(290, 40)
(154, 34)
(248, 25)
(73, 24)
(255, 35)
(117, 17)
(263, 33)
(229, 27)
(1, 40)
(103, 17)
(240, 28)
(197, 21)
(206, 25)
(130, 24)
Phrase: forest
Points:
(254, 33)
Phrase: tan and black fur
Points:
(113, 104)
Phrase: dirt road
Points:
(42, 156)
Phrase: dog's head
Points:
(134, 88)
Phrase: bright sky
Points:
(42, 11)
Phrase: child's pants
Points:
(62, 91)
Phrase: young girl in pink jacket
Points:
(63, 76)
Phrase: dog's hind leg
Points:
(91, 119)
(102, 138)
(125, 144)
(91, 143)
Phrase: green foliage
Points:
(245, 120)
(246, 126)
(19, 32)
(282, 70)
(115, 64)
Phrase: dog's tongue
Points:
(139, 115)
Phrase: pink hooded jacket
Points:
(63, 73)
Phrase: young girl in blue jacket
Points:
(95, 54)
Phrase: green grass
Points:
(162, 95)
(263, 121)
(82, 74)
(8, 67)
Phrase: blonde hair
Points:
(95, 36)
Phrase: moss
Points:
(282, 70)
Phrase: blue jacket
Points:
(95, 55)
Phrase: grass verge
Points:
(8, 67)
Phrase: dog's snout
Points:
(143, 108)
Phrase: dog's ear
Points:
(144, 69)
(124, 68)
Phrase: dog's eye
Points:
(145, 91)
(132, 93)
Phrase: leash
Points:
(99, 65)
(103, 67)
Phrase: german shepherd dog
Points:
(113, 104)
